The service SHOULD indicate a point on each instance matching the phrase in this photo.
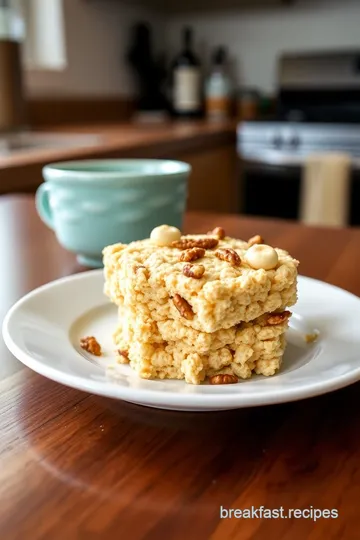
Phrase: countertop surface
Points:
(76, 466)
(121, 139)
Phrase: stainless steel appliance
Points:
(318, 110)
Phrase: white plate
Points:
(44, 328)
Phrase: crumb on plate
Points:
(91, 345)
(310, 338)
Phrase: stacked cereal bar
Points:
(200, 306)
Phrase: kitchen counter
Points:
(207, 146)
(124, 139)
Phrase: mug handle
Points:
(43, 204)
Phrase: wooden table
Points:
(75, 466)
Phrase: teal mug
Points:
(94, 203)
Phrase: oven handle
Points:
(282, 161)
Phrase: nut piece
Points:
(257, 239)
(278, 318)
(224, 378)
(188, 243)
(124, 356)
(228, 255)
(194, 270)
(261, 256)
(183, 307)
(192, 254)
(219, 232)
(90, 345)
(164, 235)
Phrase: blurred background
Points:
(261, 97)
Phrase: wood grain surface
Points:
(57, 110)
(74, 466)
(125, 139)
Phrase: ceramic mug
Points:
(94, 203)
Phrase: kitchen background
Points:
(78, 83)
(97, 35)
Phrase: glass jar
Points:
(247, 104)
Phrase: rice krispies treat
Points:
(256, 348)
(145, 273)
(138, 326)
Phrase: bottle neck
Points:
(188, 39)
(219, 60)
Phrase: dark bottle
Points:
(187, 84)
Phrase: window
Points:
(44, 46)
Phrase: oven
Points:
(274, 191)
(318, 111)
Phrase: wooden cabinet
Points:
(213, 183)
(209, 149)
(214, 180)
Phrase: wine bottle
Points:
(187, 91)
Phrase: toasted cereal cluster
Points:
(251, 347)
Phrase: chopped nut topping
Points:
(278, 318)
(188, 243)
(90, 345)
(193, 270)
(257, 239)
(183, 307)
(124, 355)
(224, 378)
(192, 254)
(228, 255)
(219, 232)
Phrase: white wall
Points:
(256, 38)
(44, 45)
(97, 37)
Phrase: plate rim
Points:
(150, 397)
